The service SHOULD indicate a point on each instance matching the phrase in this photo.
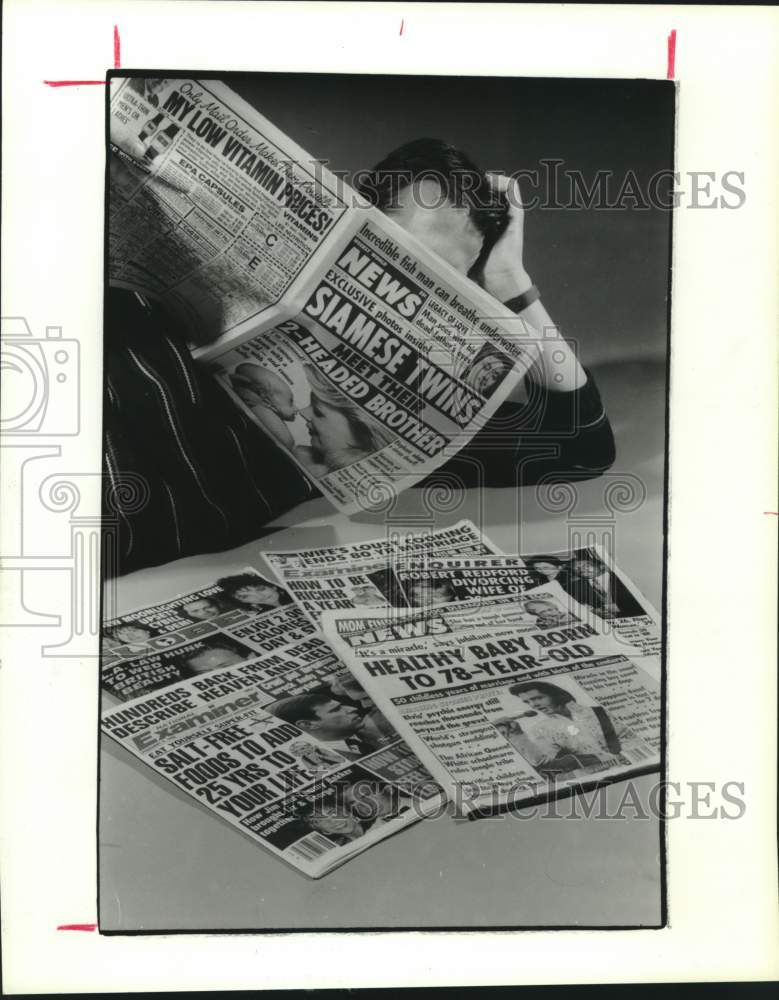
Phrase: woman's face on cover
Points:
(443, 227)
(257, 593)
(328, 427)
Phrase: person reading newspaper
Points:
(212, 477)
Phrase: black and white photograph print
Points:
(548, 200)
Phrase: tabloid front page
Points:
(231, 694)
(367, 357)
(506, 699)
(362, 574)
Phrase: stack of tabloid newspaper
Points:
(383, 680)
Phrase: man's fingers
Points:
(510, 187)
(499, 181)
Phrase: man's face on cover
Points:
(425, 592)
(202, 609)
(490, 372)
(539, 701)
(367, 597)
(329, 819)
(585, 568)
(210, 659)
(541, 608)
(335, 720)
(270, 388)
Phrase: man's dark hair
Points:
(462, 182)
(559, 695)
(547, 559)
(300, 706)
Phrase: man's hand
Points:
(505, 277)
(504, 273)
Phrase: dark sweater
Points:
(185, 471)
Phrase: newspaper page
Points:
(366, 356)
(591, 578)
(360, 574)
(502, 704)
(230, 693)
(212, 209)
(430, 580)
(383, 375)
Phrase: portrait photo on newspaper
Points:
(384, 447)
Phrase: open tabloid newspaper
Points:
(366, 356)
(506, 697)
(231, 694)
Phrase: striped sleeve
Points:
(211, 479)
(553, 436)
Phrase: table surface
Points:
(168, 863)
